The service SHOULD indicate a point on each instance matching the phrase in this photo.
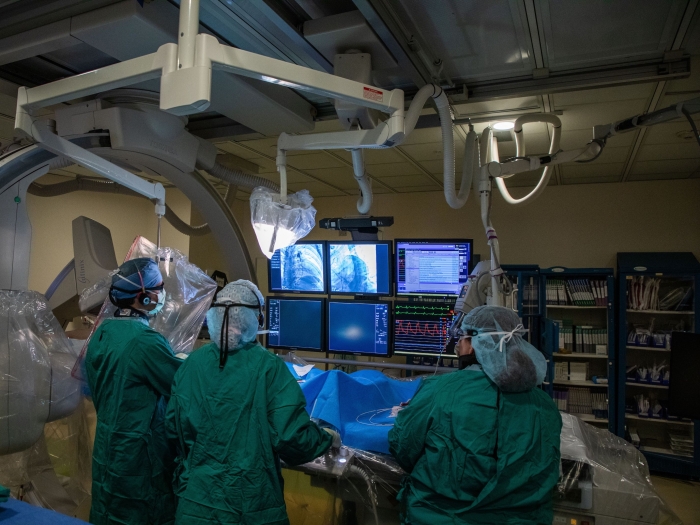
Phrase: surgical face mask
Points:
(159, 304)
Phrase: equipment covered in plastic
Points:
(36, 359)
(279, 225)
(189, 292)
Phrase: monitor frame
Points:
(324, 307)
(390, 326)
(326, 282)
(407, 353)
(395, 268)
(390, 276)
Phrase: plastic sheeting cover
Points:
(36, 359)
(189, 292)
(278, 225)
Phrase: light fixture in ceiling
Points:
(503, 125)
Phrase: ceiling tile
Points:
(572, 171)
(232, 147)
(611, 94)
(590, 180)
(585, 116)
(611, 155)
(266, 165)
(473, 39)
(409, 180)
(666, 166)
(340, 177)
(529, 179)
(382, 156)
(685, 150)
(316, 189)
(667, 133)
(656, 176)
(578, 138)
(587, 33)
(510, 105)
(416, 189)
(422, 136)
(393, 170)
(314, 161)
(693, 81)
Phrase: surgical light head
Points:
(138, 280)
(279, 224)
(236, 316)
(512, 363)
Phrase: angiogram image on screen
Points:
(353, 268)
(359, 268)
(299, 267)
(295, 324)
(358, 328)
(421, 328)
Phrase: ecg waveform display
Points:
(421, 328)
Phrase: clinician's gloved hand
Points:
(336, 437)
(4, 494)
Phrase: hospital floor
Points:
(682, 496)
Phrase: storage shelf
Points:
(578, 383)
(588, 418)
(664, 451)
(581, 355)
(662, 312)
(574, 307)
(649, 348)
(654, 420)
(646, 385)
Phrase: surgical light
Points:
(280, 220)
(503, 125)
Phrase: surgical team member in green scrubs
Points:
(235, 411)
(481, 445)
(130, 368)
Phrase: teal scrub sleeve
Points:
(157, 364)
(295, 437)
(407, 437)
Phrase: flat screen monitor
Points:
(299, 268)
(295, 323)
(432, 266)
(684, 389)
(358, 327)
(359, 267)
(422, 328)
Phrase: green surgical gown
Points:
(130, 368)
(232, 427)
(475, 455)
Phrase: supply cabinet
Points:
(579, 341)
(657, 294)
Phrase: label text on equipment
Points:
(373, 94)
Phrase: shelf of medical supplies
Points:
(574, 307)
(665, 451)
(581, 355)
(649, 348)
(647, 385)
(579, 383)
(662, 312)
(658, 420)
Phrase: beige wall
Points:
(574, 226)
(126, 217)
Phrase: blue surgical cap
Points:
(506, 358)
(135, 275)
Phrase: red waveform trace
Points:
(430, 329)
